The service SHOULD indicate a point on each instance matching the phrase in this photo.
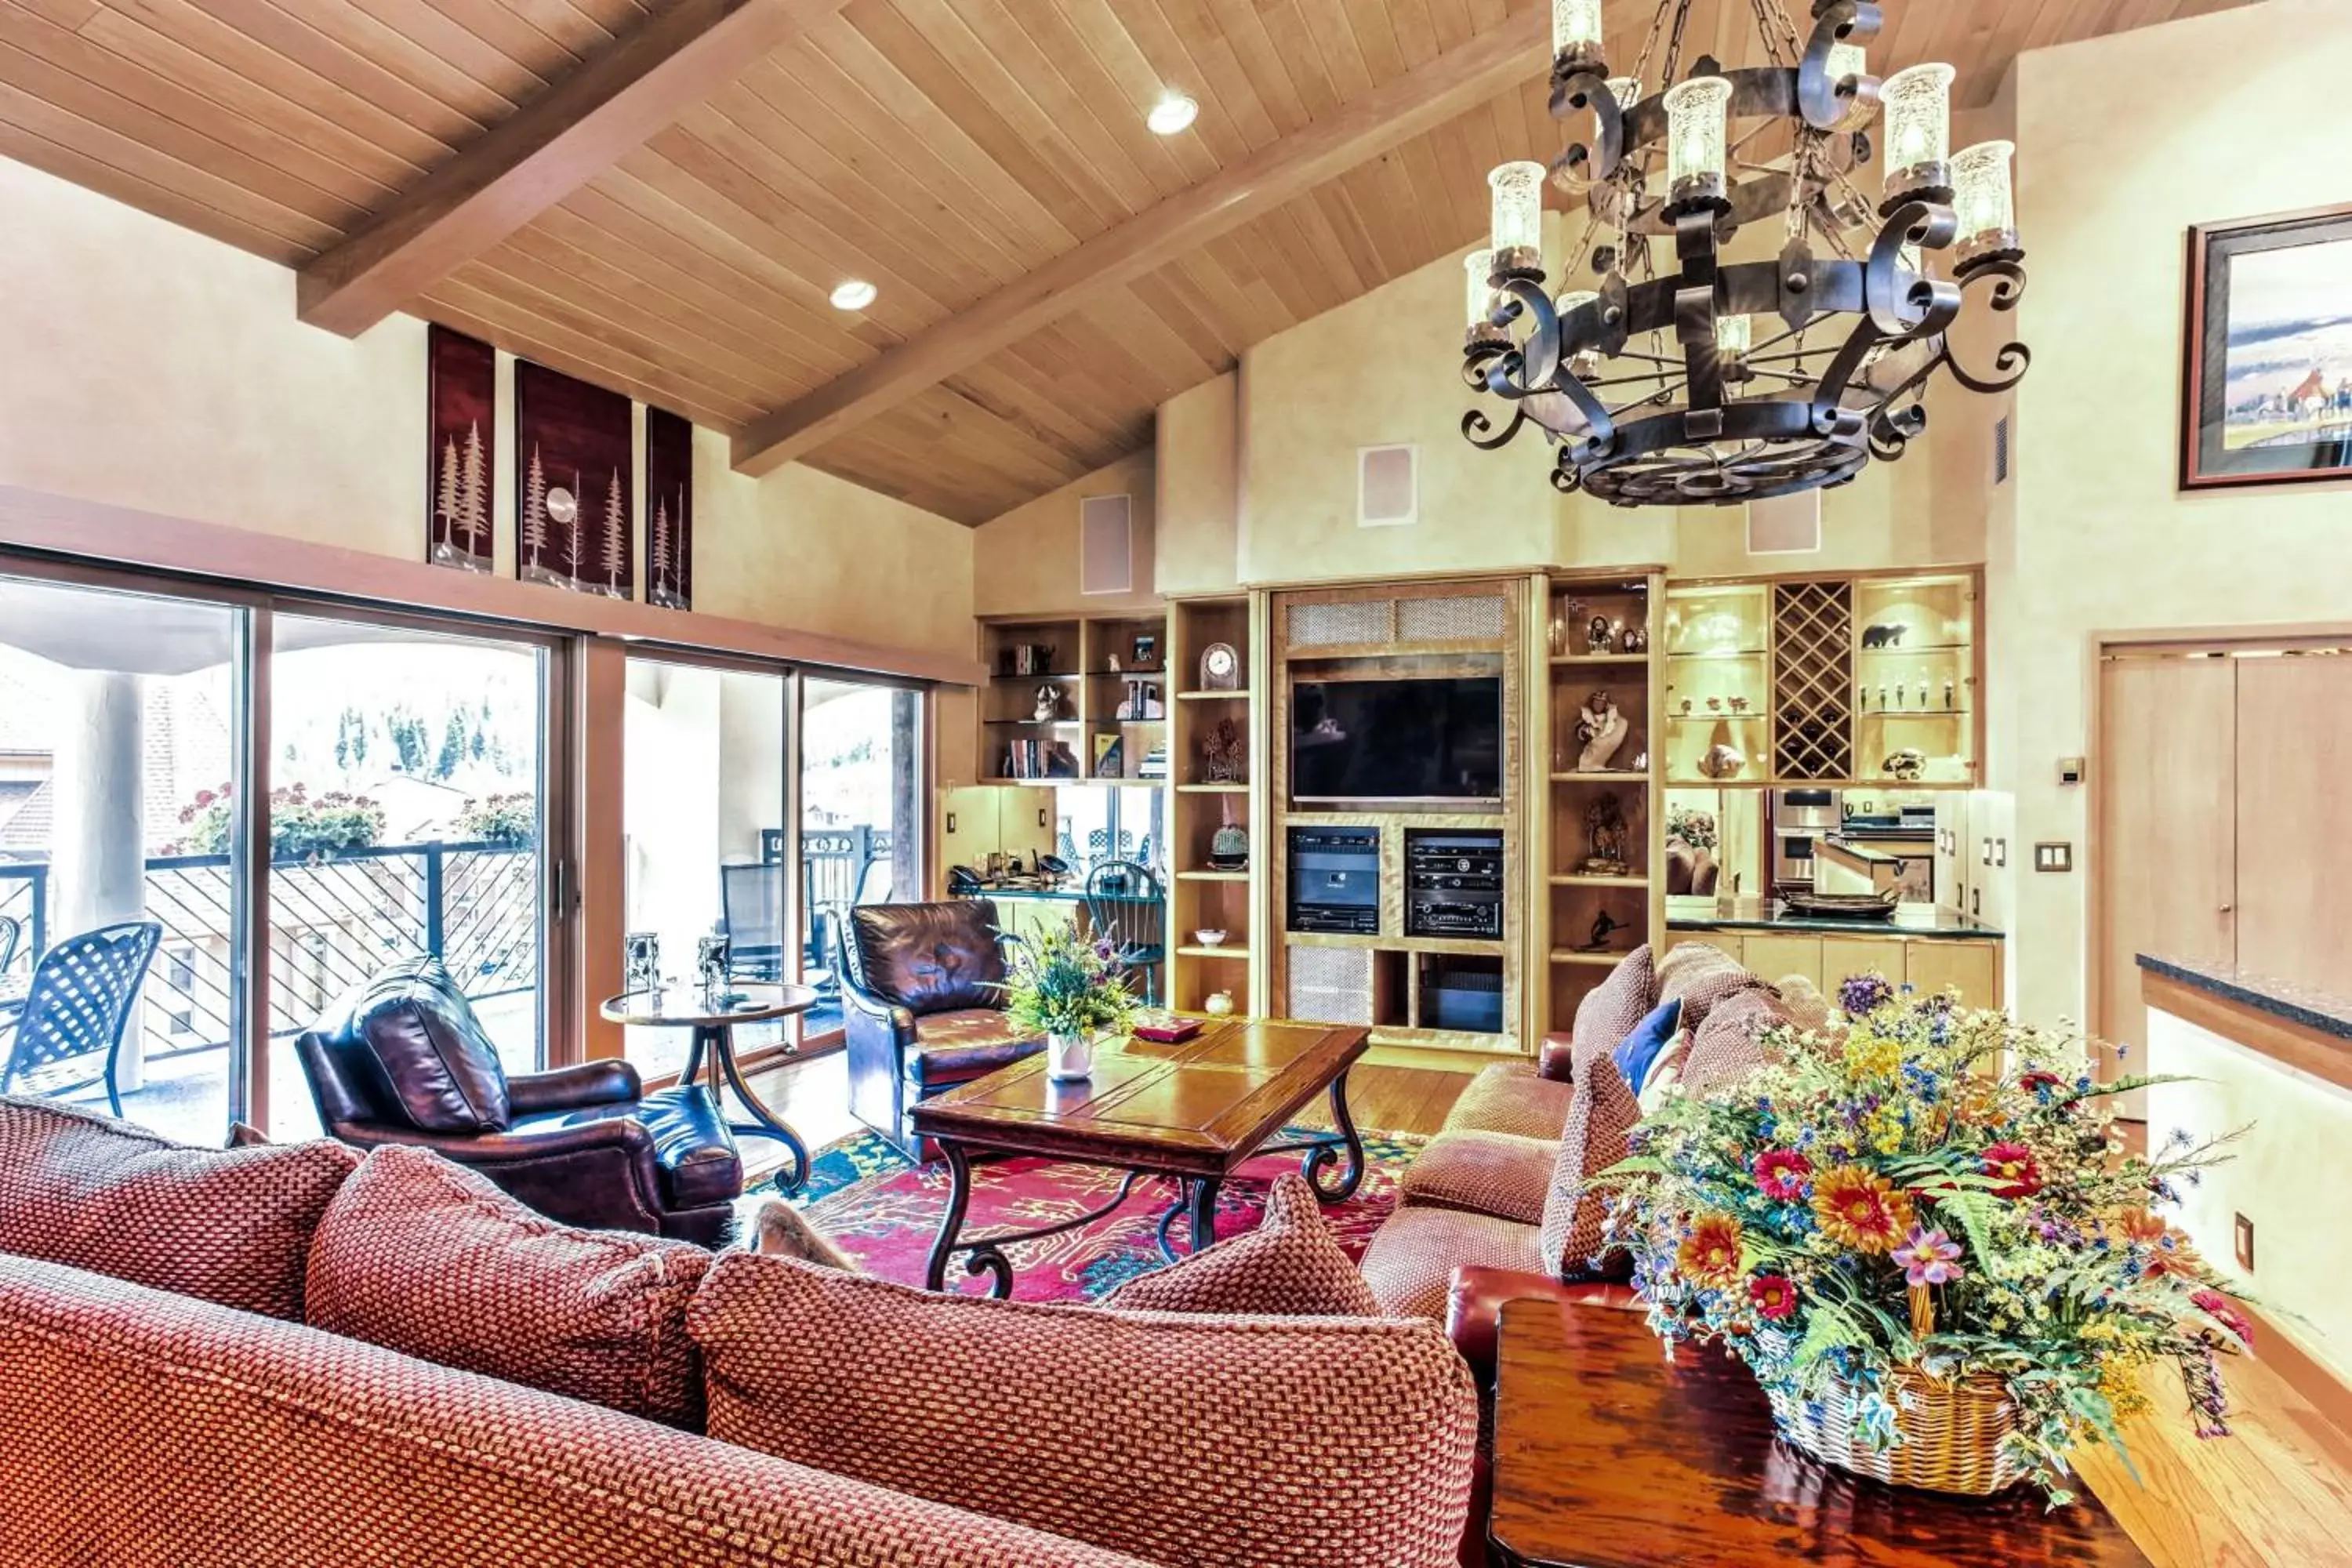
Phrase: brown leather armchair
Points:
(403, 1061)
(921, 985)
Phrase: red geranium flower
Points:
(1781, 1174)
(1775, 1295)
(2014, 1165)
(2039, 1077)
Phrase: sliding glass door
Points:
(121, 716)
(703, 814)
(861, 813)
(406, 814)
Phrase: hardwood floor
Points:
(2276, 1493)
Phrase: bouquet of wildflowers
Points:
(1924, 1189)
(1062, 983)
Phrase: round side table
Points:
(713, 1018)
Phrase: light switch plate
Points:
(2071, 770)
(2244, 1229)
(2054, 857)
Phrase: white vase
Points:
(1068, 1057)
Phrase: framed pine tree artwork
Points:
(461, 413)
(573, 473)
(669, 510)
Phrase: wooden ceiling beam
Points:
(1419, 100)
(546, 149)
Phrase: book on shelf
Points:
(1039, 759)
(1154, 765)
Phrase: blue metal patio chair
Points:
(79, 1004)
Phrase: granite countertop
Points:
(1758, 914)
(2314, 1009)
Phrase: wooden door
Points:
(2167, 775)
(2293, 893)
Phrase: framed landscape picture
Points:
(2268, 392)
(574, 470)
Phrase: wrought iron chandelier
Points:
(1729, 381)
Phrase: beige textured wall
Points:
(152, 367)
(2284, 1178)
(1197, 443)
(2111, 174)
(1025, 562)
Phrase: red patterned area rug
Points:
(885, 1211)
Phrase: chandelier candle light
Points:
(1829, 345)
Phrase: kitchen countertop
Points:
(1758, 914)
(1072, 894)
(2330, 1015)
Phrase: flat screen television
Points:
(1432, 739)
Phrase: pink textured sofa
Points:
(1498, 1189)
(887, 1428)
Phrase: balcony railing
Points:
(332, 923)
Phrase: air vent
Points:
(1105, 545)
(1388, 489)
(1785, 525)
(2000, 450)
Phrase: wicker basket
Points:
(1952, 1433)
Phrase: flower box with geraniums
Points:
(1917, 1230)
(1062, 986)
(302, 826)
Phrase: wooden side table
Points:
(713, 1021)
(1608, 1456)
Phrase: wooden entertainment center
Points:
(1605, 681)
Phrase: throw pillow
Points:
(1666, 1075)
(229, 1225)
(1804, 1003)
(440, 1065)
(1148, 1433)
(1614, 1009)
(1291, 1265)
(1724, 1049)
(1700, 976)
(1641, 1046)
(424, 1257)
(779, 1230)
(1602, 1111)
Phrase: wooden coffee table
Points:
(1608, 1457)
(1192, 1111)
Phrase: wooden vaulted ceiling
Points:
(1050, 270)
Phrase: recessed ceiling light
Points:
(853, 295)
(1172, 113)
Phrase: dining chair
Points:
(79, 1005)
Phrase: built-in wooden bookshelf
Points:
(1205, 795)
(1105, 680)
(1601, 640)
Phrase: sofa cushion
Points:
(1600, 1115)
(965, 1043)
(1413, 1258)
(1291, 1265)
(929, 958)
(1615, 1008)
(1510, 1097)
(1498, 1174)
(1700, 976)
(148, 1430)
(440, 1066)
(1725, 1050)
(1209, 1441)
(422, 1256)
(231, 1226)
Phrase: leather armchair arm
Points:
(603, 1173)
(1556, 1060)
(1474, 1306)
(610, 1081)
(623, 1132)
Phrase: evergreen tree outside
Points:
(453, 745)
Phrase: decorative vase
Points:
(1951, 1432)
(1218, 1004)
(1068, 1057)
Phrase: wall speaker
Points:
(1388, 487)
(1105, 545)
